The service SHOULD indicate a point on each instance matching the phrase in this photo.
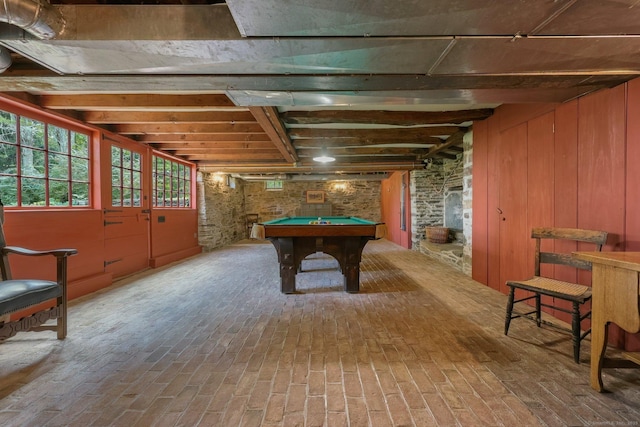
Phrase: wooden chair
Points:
(249, 220)
(557, 289)
(20, 294)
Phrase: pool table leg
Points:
(352, 278)
(288, 267)
(287, 279)
(351, 253)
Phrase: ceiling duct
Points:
(5, 59)
(37, 17)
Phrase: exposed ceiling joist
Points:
(397, 118)
(272, 82)
(268, 119)
(128, 117)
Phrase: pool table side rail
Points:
(306, 220)
(320, 230)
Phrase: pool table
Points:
(341, 237)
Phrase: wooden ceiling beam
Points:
(122, 117)
(446, 156)
(270, 122)
(356, 142)
(374, 134)
(208, 137)
(132, 102)
(178, 128)
(370, 159)
(239, 153)
(336, 152)
(359, 141)
(213, 145)
(249, 157)
(399, 118)
(455, 139)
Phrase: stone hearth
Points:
(449, 253)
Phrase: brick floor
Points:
(212, 341)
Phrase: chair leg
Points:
(575, 328)
(507, 320)
(538, 311)
(61, 320)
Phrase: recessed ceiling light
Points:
(324, 158)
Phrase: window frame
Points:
(184, 180)
(127, 187)
(79, 166)
(274, 185)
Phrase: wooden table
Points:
(616, 298)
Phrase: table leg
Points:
(287, 279)
(352, 278)
(352, 253)
(599, 332)
(614, 300)
(288, 268)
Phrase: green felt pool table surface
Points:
(307, 220)
(310, 226)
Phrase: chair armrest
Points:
(58, 253)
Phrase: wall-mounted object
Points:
(314, 196)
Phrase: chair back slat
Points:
(564, 259)
(597, 238)
(580, 235)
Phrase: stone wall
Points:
(222, 208)
(429, 187)
(347, 198)
(467, 202)
(221, 211)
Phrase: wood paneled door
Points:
(512, 209)
(125, 199)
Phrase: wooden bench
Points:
(539, 285)
(22, 294)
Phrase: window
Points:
(42, 165)
(273, 185)
(126, 177)
(171, 183)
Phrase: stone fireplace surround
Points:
(429, 190)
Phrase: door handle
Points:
(499, 211)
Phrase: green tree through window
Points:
(171, 183)
(126, 177)
(42, 165)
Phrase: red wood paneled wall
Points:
(392, 189)
(632, 183)
(84, 228)
(512, 196)
(577, 171)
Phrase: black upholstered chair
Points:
(21, 294)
